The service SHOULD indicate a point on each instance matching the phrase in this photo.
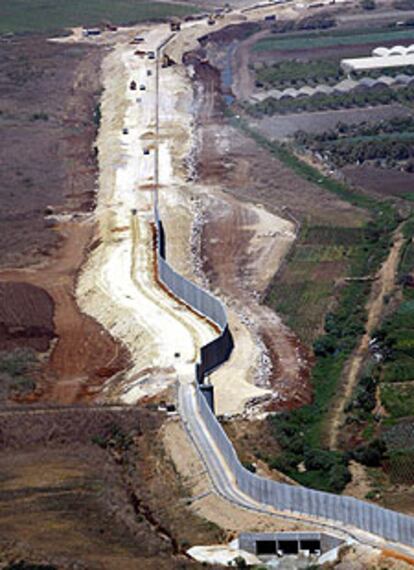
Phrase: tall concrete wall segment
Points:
(387, 524)
(213, 354)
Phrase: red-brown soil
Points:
(230, 268)
(238, 165)
(26, 316)
(85, 355)
(48, 94)
(226, 235)
(251, 173)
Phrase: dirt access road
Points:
(119, 263)
(381, 288)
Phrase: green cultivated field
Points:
(331, 39)
(21, 16)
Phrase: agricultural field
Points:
(284, 127)
(297, 73)
(332, 38)
(328, 312)
(375, 155)
(92, 489)
(40, 16)
(306, 287)
(321, 102)
(323, 289)
(384, 143)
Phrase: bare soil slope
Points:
(88, 489)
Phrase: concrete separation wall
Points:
(217, 351)
(388, 524)
(385, 523)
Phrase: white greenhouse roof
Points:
(376, 62)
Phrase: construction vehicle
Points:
(142, 87)
(166, 61)
(211, 21)
(109, 26)
(146, 150)
(88, 32)
(125, 131)
(149, 72)
(151, 55)
(137, 40)
(175, 25)
(133, 85)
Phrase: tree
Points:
(368, 4)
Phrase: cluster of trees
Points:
(357, 143)
(322, 102)
(357, 152)
(315, 22)
(364, 129)
(297, 73)
(364, 400)
(325, 470)
(390, 71)
(404, 4)
(370, 455)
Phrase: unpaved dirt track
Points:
(118, 285)
(382, 287)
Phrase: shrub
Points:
(368, 4)
(249, 466)
(324, 345)
(370, 455)
(338, 477)
(319, 459)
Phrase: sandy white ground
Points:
(221, 554)
(117, 284)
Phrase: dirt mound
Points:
(26, 316)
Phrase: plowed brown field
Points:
(47, 181)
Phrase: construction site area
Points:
(169, 394)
